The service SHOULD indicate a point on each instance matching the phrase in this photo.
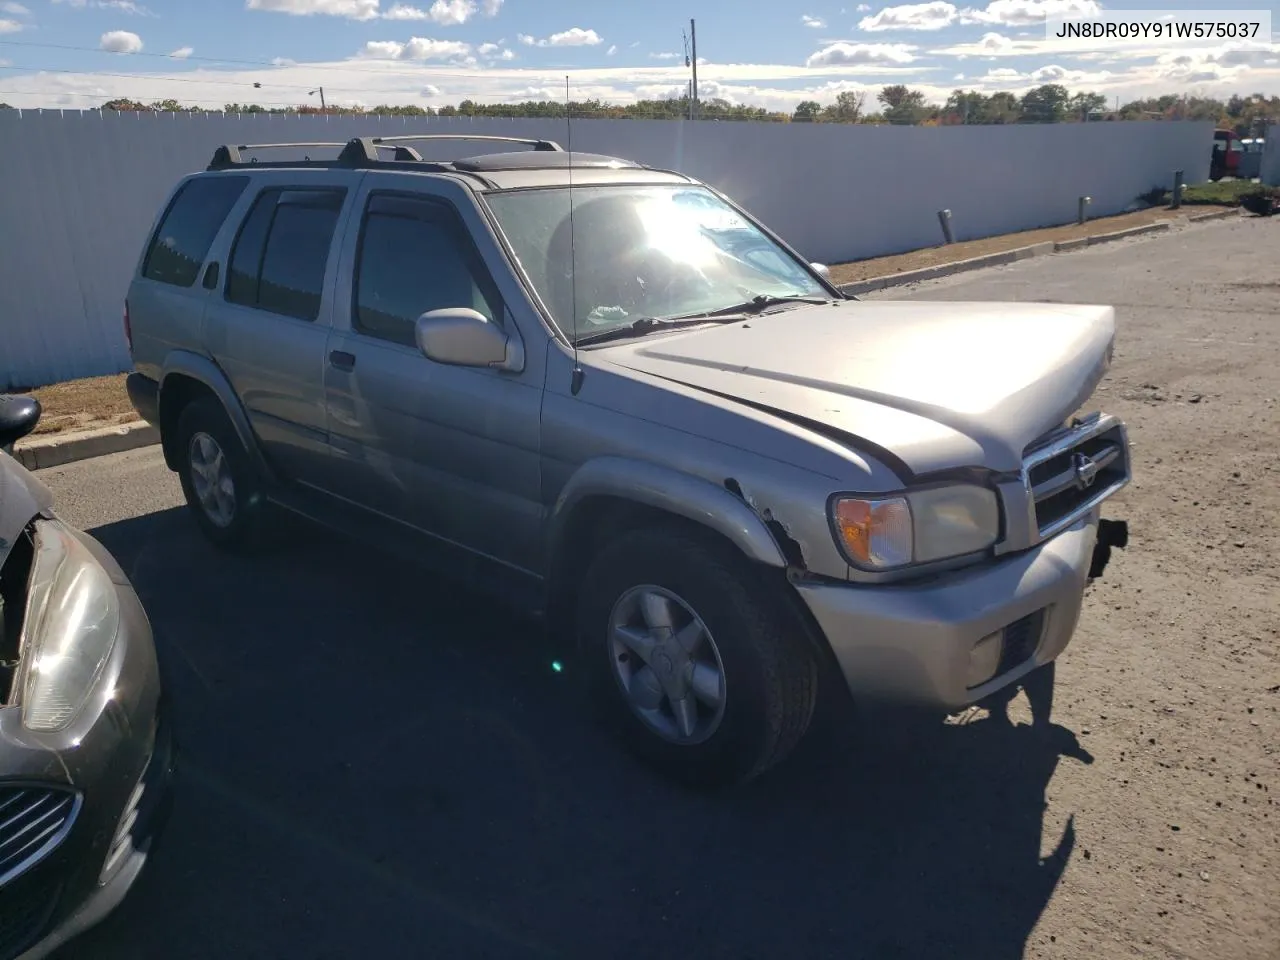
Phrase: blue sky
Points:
(77, 53)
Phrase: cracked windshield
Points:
(642, 252)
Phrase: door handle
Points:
(342, 360)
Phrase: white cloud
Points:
(862, 8)
(663, 56)
(120, 6)
(120, 41)
(16, 9)
(491, 7)
(611, 51)
(351, 9)
(283, 62)
(447, 13)
(430, 90)
(573, 37)
(418, 48)
(10, 26)
(1021, 13)
(913, 16)
(182, 53)
(958, 76)
(817, 23)
(856, 54)
(495, 51)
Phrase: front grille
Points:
(1021, 638)
(1073, 471)
(33, 821)
(24, 915)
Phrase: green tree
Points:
(847, 108)
(1082, 105)
(1045, 104)
(807, 112)
(902, 105)
(966, 106)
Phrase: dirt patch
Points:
(83, 404)
(932, 256)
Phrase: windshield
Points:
(642, 251)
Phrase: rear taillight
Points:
(128, 330)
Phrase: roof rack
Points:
(228, 155)
(361, 151)
(364, 150)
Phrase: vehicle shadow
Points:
(375, 762)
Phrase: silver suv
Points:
(607, 394)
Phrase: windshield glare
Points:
(642, 251)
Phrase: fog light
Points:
(984, 658)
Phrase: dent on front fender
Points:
(674, 492)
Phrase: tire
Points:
(768, 668)
(233, 520)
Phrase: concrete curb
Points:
(38, 453)
(1216, 215)
(997, 259)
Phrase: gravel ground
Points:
(372, 764)
(1173, 682)
(964, 249)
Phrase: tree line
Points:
(897, 104)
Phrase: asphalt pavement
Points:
(375, 763)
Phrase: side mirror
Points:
(821, 270)
(463, 337)
(18, 417)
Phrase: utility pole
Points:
(319, 90)
(693, 41)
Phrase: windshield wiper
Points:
(645, 325)
(765, 300)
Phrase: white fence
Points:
(79, 190)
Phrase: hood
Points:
(22, 497)
(929, 386)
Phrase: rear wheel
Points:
(692, 657)
(218, 480)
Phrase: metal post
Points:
(944, 218)
(693, 42)
(1177, 190)
(1082, 213)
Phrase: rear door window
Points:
(187, 230)
(279, 259)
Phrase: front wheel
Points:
(692, 657)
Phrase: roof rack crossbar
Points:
(229, 155)
(527, 141)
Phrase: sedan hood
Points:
(22, 497)
(926, 386)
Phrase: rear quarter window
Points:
(188, 227)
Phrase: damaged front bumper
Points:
(956, 639)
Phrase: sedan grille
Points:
(33, 821)
(1073, 471)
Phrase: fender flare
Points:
(671, 491)
(204, 371)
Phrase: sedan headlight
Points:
(69, 629)
(920, 526)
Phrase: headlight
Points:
(885, 533)
(69, 629)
